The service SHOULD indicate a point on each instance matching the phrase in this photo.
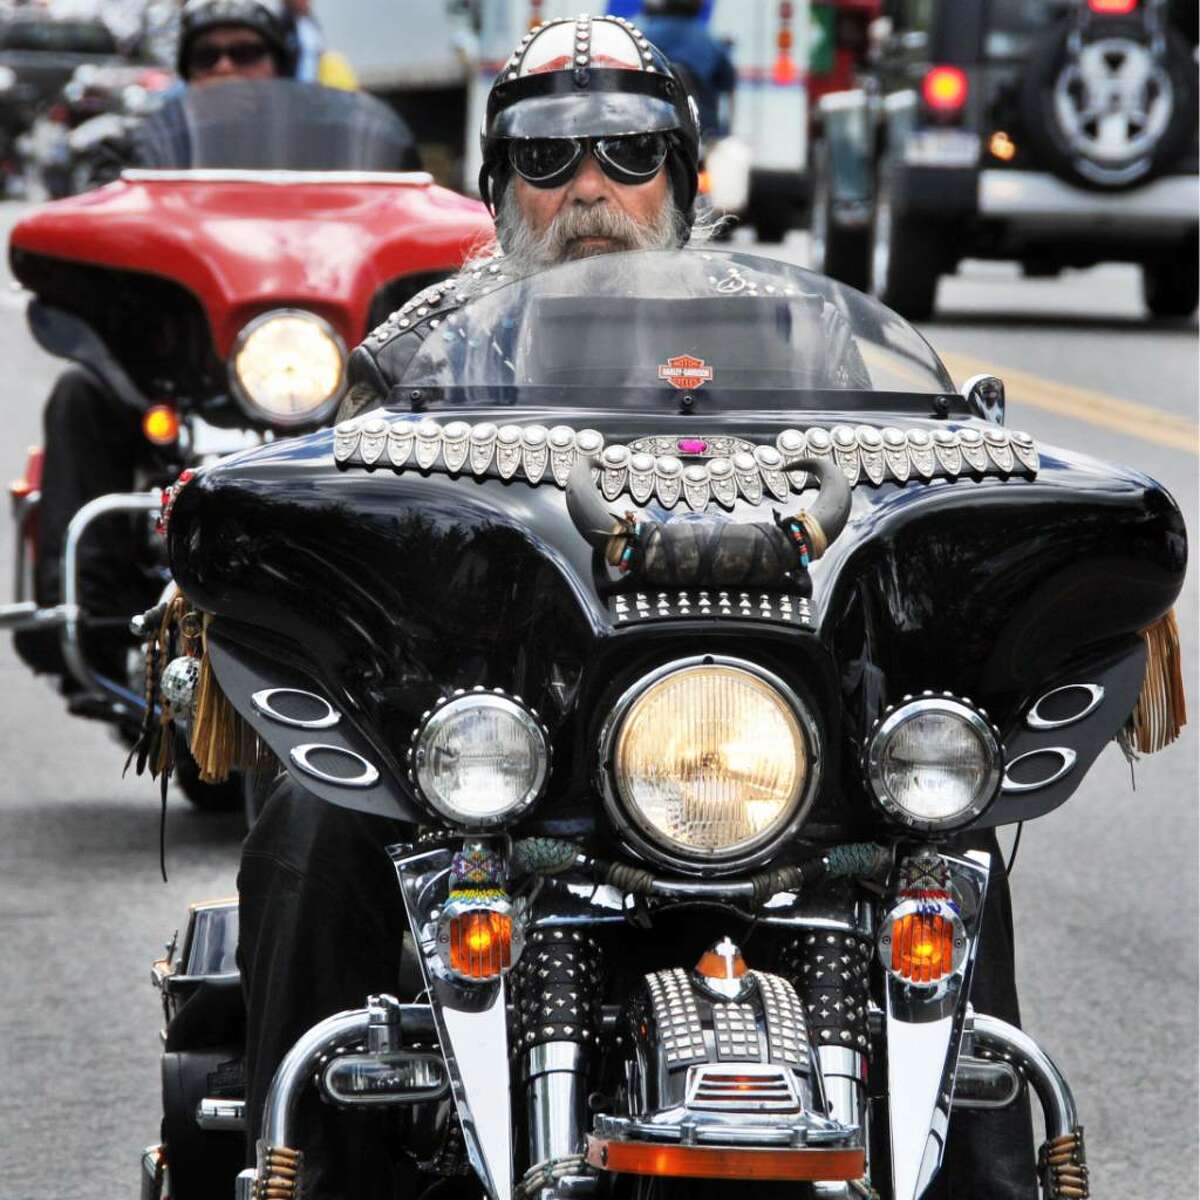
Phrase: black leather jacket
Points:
(378, 365)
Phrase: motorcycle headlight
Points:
(480, 759)
(287, 368)
(710, 760)
(934, 763)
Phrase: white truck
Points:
(398, 45)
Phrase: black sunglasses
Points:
(550, 162)
(241, 54)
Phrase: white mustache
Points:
(596, 221)
(526, 251)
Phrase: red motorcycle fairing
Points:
(244, 242)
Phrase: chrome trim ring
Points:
(246, 402)
(911, 707)
(1067, 758)
(746, 855)
(1034, 721)
(446, 707)
(959, 951)
(262, 704)
(367, 777)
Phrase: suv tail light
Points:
(1112, 8)
(944, 89)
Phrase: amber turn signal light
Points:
(480, 944)
(722, 961)
(923, 943)
(724, 1162)
(160, 424)
(1112, 8)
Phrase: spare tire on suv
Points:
(1112, 110)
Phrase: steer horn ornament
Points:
(714, 551)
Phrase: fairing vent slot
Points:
(1065, 706)
(1038, 769)
(742, 1090)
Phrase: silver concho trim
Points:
(367, 777)
(1094, 690)
(652, 468)
(262, 703)
(1066, 756)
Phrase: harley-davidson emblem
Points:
(685, 372)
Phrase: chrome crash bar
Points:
(381, 1028)
(1013, 1045)
(68, 617)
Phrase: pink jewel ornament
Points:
(691, 445)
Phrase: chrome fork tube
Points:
(844, 1077)
(556, 1078)
(844, 1073)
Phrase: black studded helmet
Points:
(590, 77)
(268, 18)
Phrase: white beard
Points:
(527, 252)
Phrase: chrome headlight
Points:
(709, 762)
(287, 368)
(480, 759)
(934, 762)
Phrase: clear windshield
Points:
(272, 125)
(653, 324)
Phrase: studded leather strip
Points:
(831, 973)
(557, 990)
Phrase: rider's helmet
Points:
(590, 77)
(268, 18)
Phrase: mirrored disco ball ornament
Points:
(178, 684)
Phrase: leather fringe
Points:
(222, 741)
(1161, 709)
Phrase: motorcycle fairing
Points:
(924, 1034)
(243, 675)
(245, 245)
(1045, 763)
(395, 589)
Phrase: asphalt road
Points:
(1105, 887)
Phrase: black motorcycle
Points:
(700, 777)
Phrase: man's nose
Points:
(589, 184)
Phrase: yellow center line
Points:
(1083, 404)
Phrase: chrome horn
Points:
(713, 551)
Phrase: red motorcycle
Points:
(217, 293)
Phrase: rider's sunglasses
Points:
(550, 162)
(241, 54)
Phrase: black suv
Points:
(1060, 133)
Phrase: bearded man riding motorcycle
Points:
(93, 441)
(590, 146)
